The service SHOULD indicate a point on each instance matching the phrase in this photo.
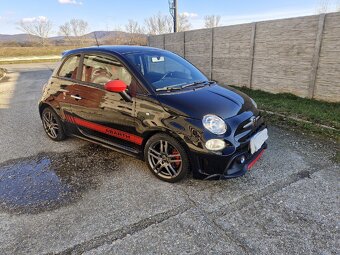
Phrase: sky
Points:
(114, 14)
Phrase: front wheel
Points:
(166, 158)
(52, 124)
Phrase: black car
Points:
(155, 105)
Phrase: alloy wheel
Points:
(50, 124)
(165, 159)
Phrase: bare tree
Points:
(323, 6)
(158, 24)
(135, 32)
(132, 27)
(183, 23)
(39, 27)
(211, 21)
(74, 31)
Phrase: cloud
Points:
(34, 19)
(70, 2)
(189, 14)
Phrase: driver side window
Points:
(101, 69)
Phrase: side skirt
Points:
(127, 151)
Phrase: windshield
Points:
(165, 70)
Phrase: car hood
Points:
(224, 102)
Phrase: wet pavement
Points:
(72, 197)
(48, 181)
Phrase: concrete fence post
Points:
(184, 44)
(316, 56)
(163, 42)
(212, 54)
(251, 54)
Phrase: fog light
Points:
(242, 159)
(215, 144)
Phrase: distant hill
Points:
(15, 38)
(101, 36)
(106, 34)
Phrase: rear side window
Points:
(101, 69)
(70, 67)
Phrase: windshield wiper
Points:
(178, 87)
(197, 83)
(169, 88)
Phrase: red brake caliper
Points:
(175, 152)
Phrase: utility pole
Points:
(173, 12)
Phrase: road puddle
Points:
(49, 181)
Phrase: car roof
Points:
(117, 49)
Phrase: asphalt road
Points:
(73, 197)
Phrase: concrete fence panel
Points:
(156, 41)
(175, 43)
(328, 73)
(232, 54)
(284, 55)
(198, 47)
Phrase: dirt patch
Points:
(2, 72)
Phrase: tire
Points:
(52, 124)
(166, 158)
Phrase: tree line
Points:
(73, 31)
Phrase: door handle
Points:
(76, 97)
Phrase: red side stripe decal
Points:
(67, 117)
(106, 130)
(252, 163)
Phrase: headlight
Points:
(215, 144)
(214, 124)
(254, 103)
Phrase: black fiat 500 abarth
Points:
(155, 105)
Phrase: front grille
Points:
(243, 134)
(250, 134)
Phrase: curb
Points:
(300, 120)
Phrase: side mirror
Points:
(117, 86)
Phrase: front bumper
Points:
(236, 169)
(218, 167)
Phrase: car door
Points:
(102, 115)
(62, 83)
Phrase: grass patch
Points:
(337, 156)
(317, 112)
(33, 51)
(308, 109)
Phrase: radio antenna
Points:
(95, 37)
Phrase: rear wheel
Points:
(166, 158)
(52, 124)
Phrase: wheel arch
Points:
(42, 107)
